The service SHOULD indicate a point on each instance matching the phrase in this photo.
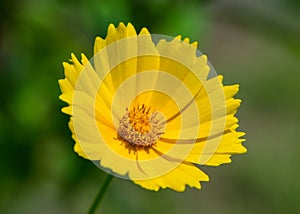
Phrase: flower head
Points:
(152, 112)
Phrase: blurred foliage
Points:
(254, 43)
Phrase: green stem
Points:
(100, 194)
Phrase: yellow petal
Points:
(177, 179)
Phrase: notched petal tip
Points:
(61, 97)
(130, 30)
(73, 57)
(177, 38)
(130, 26)
(144, 31)
(66, 64)
(74, 60)
(121, 25)
(221, 77)
(203, 57)
(99, 44)
(187, 40)
(84, 59)
(60, 82)
(99, 39)
(110, 30)
(195, 44)
(67, 110)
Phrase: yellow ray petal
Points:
(229, 143)
(86, 145)
(177, 179)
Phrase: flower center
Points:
(140, 127)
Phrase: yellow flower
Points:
(152, 112)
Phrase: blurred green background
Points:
(253, 43)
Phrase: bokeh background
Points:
(253, 43)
